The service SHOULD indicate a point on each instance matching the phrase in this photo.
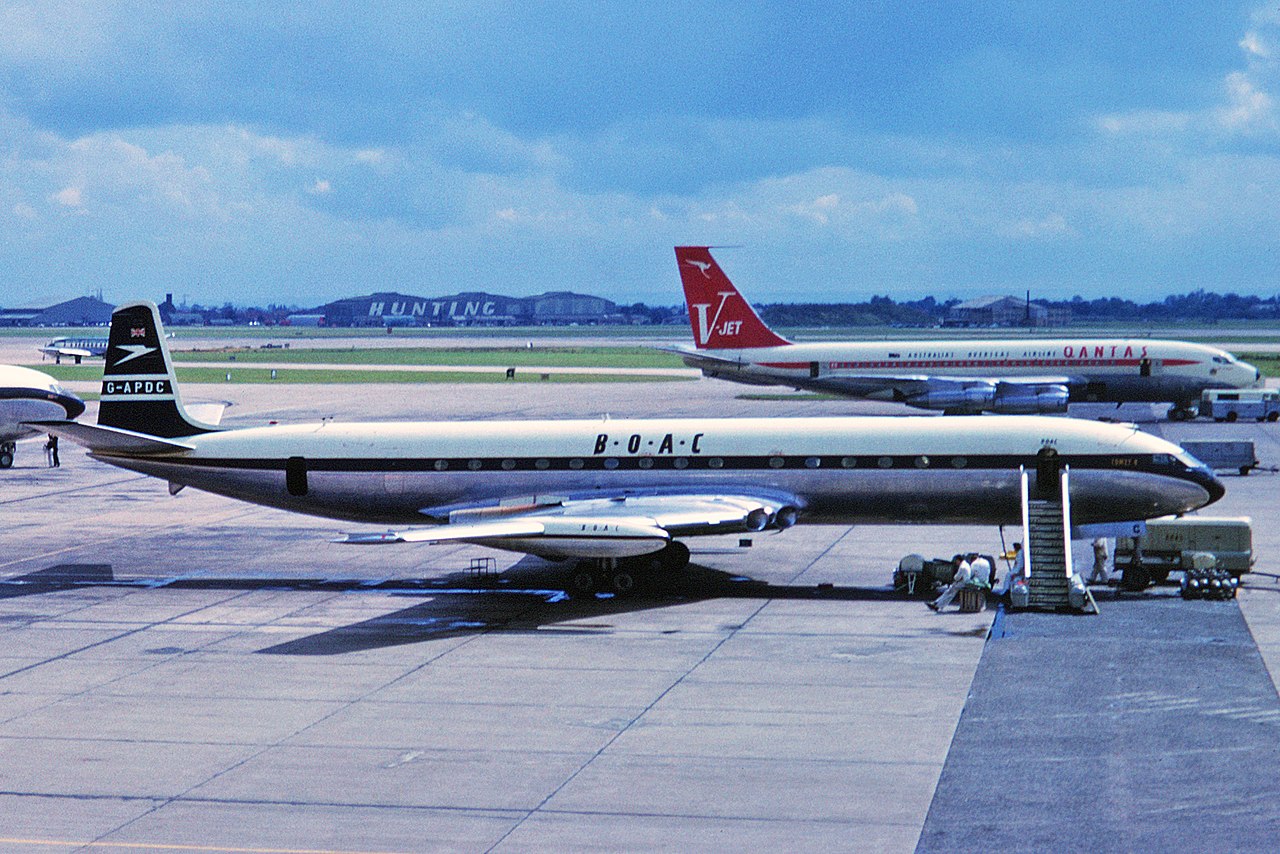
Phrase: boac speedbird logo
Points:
(134, 351)
(729, 329)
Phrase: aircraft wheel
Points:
(674, 556)
(1135, 578)
(622, 582)
(6, 459)
(582, 582)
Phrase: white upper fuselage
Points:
(27, 395)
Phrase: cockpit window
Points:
(1189, 461)
(1222, 360)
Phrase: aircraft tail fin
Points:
(721, 318)
(139, 386)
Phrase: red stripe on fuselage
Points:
(977, 363)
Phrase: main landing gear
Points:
(623, 576)
(6, 454)
(1183, 412)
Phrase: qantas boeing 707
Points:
(1006, 376)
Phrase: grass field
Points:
(1268, 363)
(497, 357)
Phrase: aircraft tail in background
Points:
(721, 318)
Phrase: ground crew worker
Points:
(1014, 573)
(1099, 573)
(964, 572)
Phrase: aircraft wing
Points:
(621, 526)
(67, 351)
(1008, 395)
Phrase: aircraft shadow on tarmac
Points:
(526, 598)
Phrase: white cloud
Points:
(1050, 225)
(1253, 45)
(1248, 108)
(70, 197)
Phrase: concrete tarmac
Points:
(192, 673)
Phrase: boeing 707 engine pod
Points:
(1008, 376)
(615, 491)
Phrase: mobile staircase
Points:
(1048, 582)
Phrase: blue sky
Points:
(260, 152)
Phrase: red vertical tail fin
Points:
(721, 318)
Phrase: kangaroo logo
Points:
(730, 328)
(703, 266)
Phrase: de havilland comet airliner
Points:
(620, 494)
(1009, 376)
(27, 395)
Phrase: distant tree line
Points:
(1199, 305)
(878, 311)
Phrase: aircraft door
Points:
(295, 476)
(813, 370)
(1144, 367)
(1048, 473)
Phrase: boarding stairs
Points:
(1046, 537)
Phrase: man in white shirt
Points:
(964, 572)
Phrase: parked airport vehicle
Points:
(1260, 404)
(1010, 376)
(27, 395)
(75, 348)
(619, 492)
(1225, 455)
(1171, 544)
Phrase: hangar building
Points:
(468, 309)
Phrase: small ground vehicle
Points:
(1230, 455)
(1261, 404)
(1171, 543)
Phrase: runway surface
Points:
(191, 673)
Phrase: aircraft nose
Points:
(1202, 476)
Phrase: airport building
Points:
(1005, 311)
(468, 309)
(81, 311)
